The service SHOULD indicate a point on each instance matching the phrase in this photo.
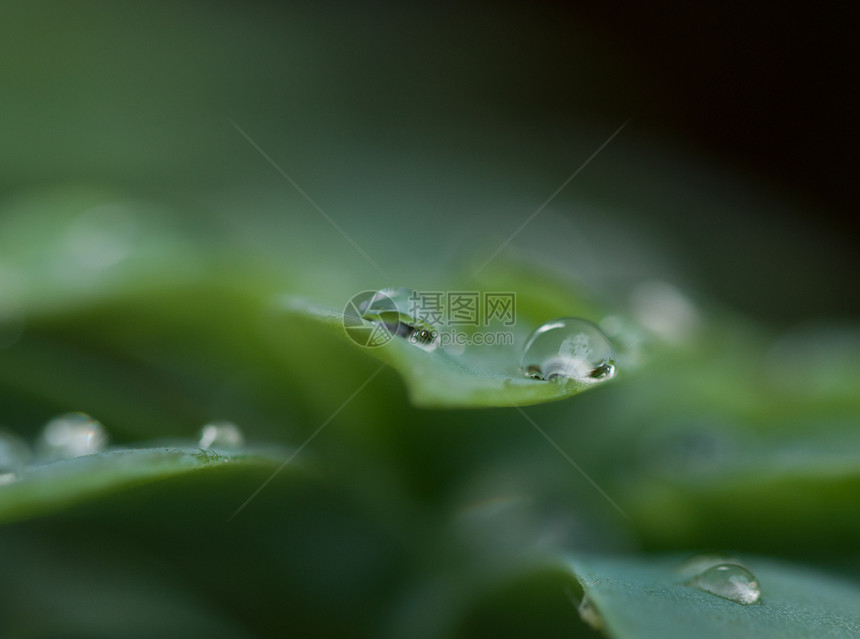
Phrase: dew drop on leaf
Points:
(14, 455)
(71, 435)
(401, 311)
(568, 348)
(221, 435)
(729, 581)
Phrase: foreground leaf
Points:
(643, 598)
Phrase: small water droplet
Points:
(589, 614)
(221, 435)
(730, 581)
(14, 455)
(568, 348)
(399, 311)
(71, 435)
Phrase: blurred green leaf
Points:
(62, 484)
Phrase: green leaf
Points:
(480, 376)
(754, 491)
(643, 598)
(61, 484)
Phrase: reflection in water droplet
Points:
(728, 580)
(71, 435)
(14, 455)
(221, 435)
(589, 614)
(533, 372)
(568, 348)
(400, 312)
(606, 369)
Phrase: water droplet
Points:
(400, 312)
(589, 614)
(71, 435)
(728, 580)
(221, 435)
(14, 455)
(665, 310)
(568, 348)
(700, 563)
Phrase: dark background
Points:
(771, 89)
(139, 95)
(771, 86)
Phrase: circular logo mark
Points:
(371, 319)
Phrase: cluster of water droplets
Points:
(568, 349)
(73, 435)
(724, 577)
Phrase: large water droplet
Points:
(568, 348)
(14, 455)
(401, 313)
(730, 581)
(221, 435)
(71, 435)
